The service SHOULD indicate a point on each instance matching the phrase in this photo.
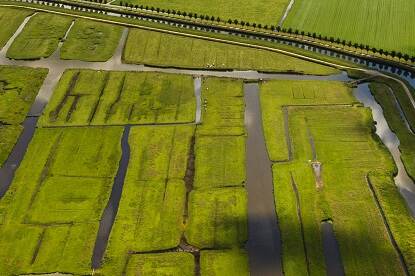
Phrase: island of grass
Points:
(87, 97)
(386, 25)
(91, 41)
(167, 50)
(319, 123)
(40, 37)
(18, 89)
(10, 20)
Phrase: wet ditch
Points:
(264, 238)
(331, 250)
(111, 209)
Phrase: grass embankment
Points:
(349, 151)
(160, 49)
(161, 208)
(40, 37)
(10, 20)
(18, 89)
(51, 212)
(263, 11)
(361, 21)
(86, 97)
(91, 41)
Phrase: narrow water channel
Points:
(331, 250)
(264, 240)
(198, 96)
(111, 209)
(404, 183)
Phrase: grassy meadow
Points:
(40, 37)
(18, 89)
(52, 209)
(87, 97)
(10, 20)
(263, 11)
(350, 155)
(166, 50)
(386, 25)
(91, 41)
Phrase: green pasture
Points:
(52, 209)
(18, 89)
(167, 50)
(40, 37)
(223, 107)
(91, 41)
(224, 262)
(177, 263)
(350, 154)
(218, 218)
(263, 11)
(386, 25)
(276, 95)
(10, 20)
(87, 97)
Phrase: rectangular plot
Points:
(178, 263)
(217, 218)
(40, 37)
(220, 161)
(10, 20)
(91, 41)
(224, 262)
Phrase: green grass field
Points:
(224, 262)
(166, 50)
(349, 152)
(91, 41)
(18, 89)
(52, 209)
(40, 37)
(115, 98)
(386, 25)
(263, 11)
(10, 20)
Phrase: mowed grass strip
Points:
(349, 152)
(40, 37)
(18, 89)
(150, 214)
(177, 263)
(223, 107)
(119, 98)
(276, 95)
(167, 50)
(51, 211)
(217, 218)
(10, 20)
(262, 11)
(224, 262)
(91, 41)
(360, 21)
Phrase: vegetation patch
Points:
(218, 218)
(167, 50)
(224, 262)
(10, 20)
(91, 41)
(53, 207)
(87, 97)
(40, 37)
(341, 138)
(361, 21)
(177, 263)
(18, 89)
